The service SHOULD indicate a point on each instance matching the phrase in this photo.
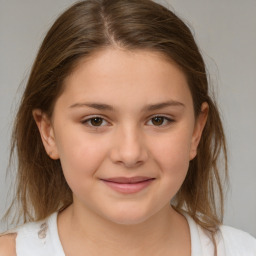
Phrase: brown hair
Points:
(80, 31)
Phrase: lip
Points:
(128, 185)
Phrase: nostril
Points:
(128, 149)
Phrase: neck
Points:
(164, 231)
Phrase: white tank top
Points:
(42, 239)
(39, 238)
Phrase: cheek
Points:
(81, 157)
(172, 158)
(172, 152)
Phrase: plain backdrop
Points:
(226, 33)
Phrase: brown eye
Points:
(96, 121)
(158, 120)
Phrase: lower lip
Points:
(128, 188)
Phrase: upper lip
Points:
(128, 180)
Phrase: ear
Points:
(198, 129)
(47, 133)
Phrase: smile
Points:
(128, 185)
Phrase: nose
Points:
(129, 148)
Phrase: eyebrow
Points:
(150, 107)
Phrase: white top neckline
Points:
(52, 222)
(196, 247)
(42, 239)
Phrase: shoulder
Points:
(238, 242)
(29, 239)
(7, 245)
(38, 238)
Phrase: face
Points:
(124, 130)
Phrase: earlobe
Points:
(47, 134)
(198, 129)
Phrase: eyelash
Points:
(166, 119)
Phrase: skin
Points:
(7, 245)
(128, 142)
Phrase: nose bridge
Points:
(129, 147)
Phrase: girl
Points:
(115, 123)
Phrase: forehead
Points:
(111, 60)
(117, 75)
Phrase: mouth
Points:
(128, 185)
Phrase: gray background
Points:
(226, 33)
